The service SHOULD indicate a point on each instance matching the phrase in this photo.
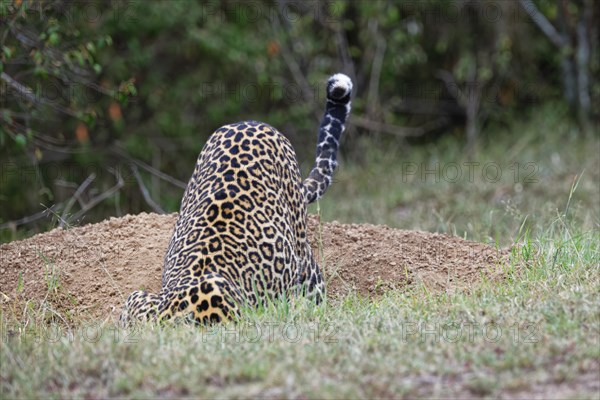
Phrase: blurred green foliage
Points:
(105, 105)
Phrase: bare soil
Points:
(90, 270)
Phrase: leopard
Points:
(240, 238)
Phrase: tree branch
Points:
(542, 22)
(175, 182)
(28, 94)
(31, 218)
(373, 96)
(583, 58)
(75, 197)
(155, 206)
(293, 65)
(101, 197)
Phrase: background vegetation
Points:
(105, 106)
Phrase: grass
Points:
(537, 331)
(537, 334)
(523, 173)
(51, 274)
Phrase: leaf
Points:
(40, 71)
(54, 39)
(79, 58)
(21, 140)
(485, 74)
(37, 56)
(7, 52)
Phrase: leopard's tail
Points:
(339, 91)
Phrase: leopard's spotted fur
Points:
(241, 232)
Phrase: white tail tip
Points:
(339, 86)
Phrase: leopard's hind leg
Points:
(140, 306)
(210, 299)
(310, 280)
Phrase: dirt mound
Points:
(90, 270)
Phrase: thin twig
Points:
(41, 140)
(75, 197)
(344, 50)
(293, 65)
(155, 206)
(174, 181)
(39, 143)
(10, 24)
(340, 39)
(373, 96)
(101, 197)
(65, 184)
(451, 86)
(29, 95)
(471, 101)
(31, 218)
